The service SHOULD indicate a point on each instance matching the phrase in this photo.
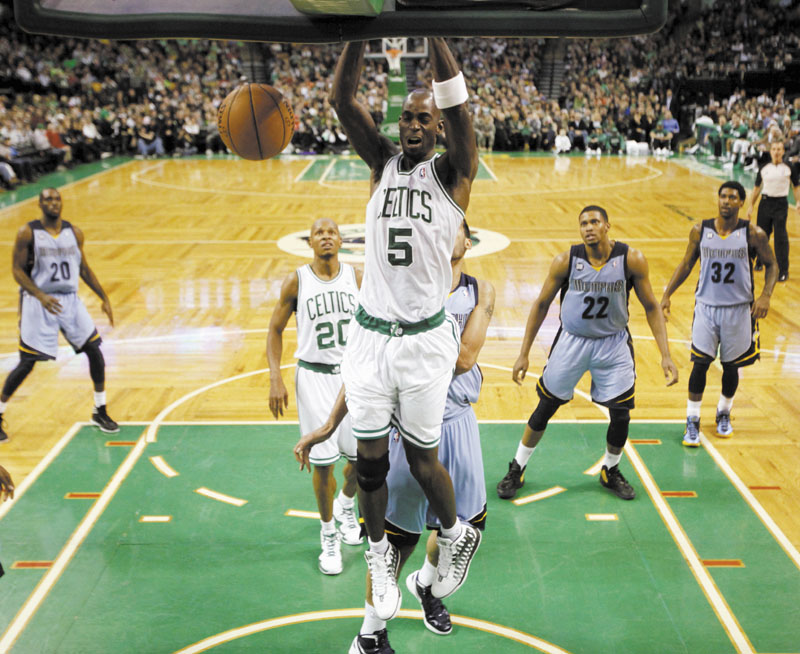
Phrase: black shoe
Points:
(101, 419)
(3, 436)
(613, 480)
(514, 480)
(436, 618)
(783, 277)
(377, 643)
(758, 267)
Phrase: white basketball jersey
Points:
(54, 261)
(411, 229)
(323, 313)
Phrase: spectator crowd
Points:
(65, 101)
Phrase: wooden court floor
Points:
(192, 253)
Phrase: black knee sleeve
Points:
(697, 380)
(97, 363)
(617, 434)
(545, 410)
(730, 379)
(17, 376)
(371, 473)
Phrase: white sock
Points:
(328, 527)
(372, 622)
(3, 407)
(523, 454)
(379, 546)
(346, 502)
(725, 404)
(453, 532)
(427, 573)
(693, 409)
(610, 460)
(99, 398)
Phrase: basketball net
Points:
(393, 50)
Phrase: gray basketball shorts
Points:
(38, 328)
(460, 453)
(609, 360)
(731, 329)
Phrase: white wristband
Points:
(451, 92)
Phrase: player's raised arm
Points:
(559, 271)
(459, 165)
(474, 335)
(367, 141)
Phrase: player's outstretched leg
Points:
(383, 568)
(376, 643)
(435, 614)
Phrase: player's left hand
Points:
(107, 310)
(6, 485)
(303, 447)
(670, 371)
(760, 307)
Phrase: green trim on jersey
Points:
(388, 328)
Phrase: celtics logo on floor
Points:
(484, 242)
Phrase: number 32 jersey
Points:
(412, 224)
(54, 262)
(323, 313)
(594, 301)
(726, 274)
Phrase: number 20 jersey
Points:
(594, 301)
(726, 275)
(54, 262)
(323, 313)
(410, 233)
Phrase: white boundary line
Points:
(19, 491)
(220, 497)
(748, 496)
(68, 551)
(327, 171)
(488, 169)
(314, 616)
(304, 171)
(701, 574)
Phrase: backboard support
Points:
(280, 21)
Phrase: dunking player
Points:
(472, 304)
(47, 262)
(403, 346)
(725, 315)
(595, 279)
(323, 296)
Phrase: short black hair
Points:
(736, 186)
(466, 229)
(594, 207)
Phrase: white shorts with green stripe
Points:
(399, 380)
(316, 392)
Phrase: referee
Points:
(774, 179)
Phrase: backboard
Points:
(327, 21)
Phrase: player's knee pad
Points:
(18, 375)
(730, 379)
(541, 415)
(617, 434)
(697, 380)
(371, 473)
(97, 363)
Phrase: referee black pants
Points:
(772, 213)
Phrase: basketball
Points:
(255, 121)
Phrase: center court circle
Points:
(484, 242)
(299, 618)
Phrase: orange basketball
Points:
(255, 121)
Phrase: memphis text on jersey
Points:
(717, 253)
(582, 286)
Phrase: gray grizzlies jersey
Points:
(726, 274)
(594, 301)
(54, 262)
(465, 388)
